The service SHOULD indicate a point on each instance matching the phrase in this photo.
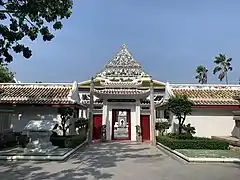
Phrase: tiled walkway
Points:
(117, 161)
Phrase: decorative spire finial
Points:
(124, 46)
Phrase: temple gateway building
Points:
(124, 96)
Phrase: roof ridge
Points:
(36, 85)
(209, 99)
(204, 89)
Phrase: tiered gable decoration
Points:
(123, 67)
(122, 77)
(123, 71)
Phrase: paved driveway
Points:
(118, 161)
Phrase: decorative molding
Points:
(123, 66)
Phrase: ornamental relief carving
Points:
(123, 65)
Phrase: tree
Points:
(223, 66)
(162, 126)
(29, 18)
(66, 114)
(6, 76)
(201, 74)
(180, 106)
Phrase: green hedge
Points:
(67, 141)
(74, 141)
(194, 143)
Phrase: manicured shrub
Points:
(180, 136)
(162, 126)
(59, 140)
(67, 141)
(193, 143)
(23, 140)
(74, 141)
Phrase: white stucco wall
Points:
(22, 115)
(210, 122)
(107, 117)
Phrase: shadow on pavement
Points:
(85, 163)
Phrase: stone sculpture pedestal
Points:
(39, 132)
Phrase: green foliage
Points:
(66, 114)
(180, 106)
(190, 130)
(194, 143)
(223, 66)
(23, 140)
(6, 76)
(201, 74)
(67, 141)
(138, 130)
(81, 122)
(162, 126)
(74, 141)
(29, 18)
(180, 136)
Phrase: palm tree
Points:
(223, 66)
(201, 74)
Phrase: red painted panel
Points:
(145, 127)
(129, 124)
(97, 123)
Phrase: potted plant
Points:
(138, 133)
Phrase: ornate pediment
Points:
(121, 83)
(123, 65)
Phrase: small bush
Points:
(193, 143)
(189, 129)
(74, 141)
(67, 141)
(23, 140)
(162, 126)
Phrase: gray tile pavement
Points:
(118, 161)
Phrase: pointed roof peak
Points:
(123, 64)
(124, 46)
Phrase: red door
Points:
(145, 127)
(97, 124)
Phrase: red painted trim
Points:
(221, 107)
(97, 124)
(129, 124)
(145, 127)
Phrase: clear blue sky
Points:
(168, 37)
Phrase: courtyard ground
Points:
(118, 161)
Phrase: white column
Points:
(79, 112)
(152, 115)
(109, 123)
(135, 119)
(104, 113)
(91, 112)
(72, 128)
(85, 113)
(138, 112)
(161, 114)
